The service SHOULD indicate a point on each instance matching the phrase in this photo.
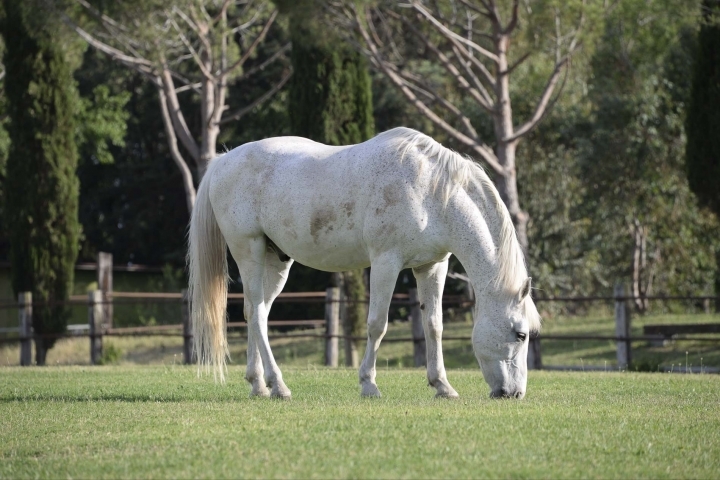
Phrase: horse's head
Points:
(501, 334)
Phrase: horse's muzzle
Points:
(502, 393)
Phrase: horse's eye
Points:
(521, 336)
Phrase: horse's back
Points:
(331, 208)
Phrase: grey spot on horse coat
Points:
(322, 219)
(391, 195)
(387, 229)
(422, 306)
(290, 228)
(348, 207)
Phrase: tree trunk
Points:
(355, 313)
(507, 187)
(186, 174)
(505, 151)
(717, 281)
(210, 129)
(639, 266)
(40, 350)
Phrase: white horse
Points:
(400, 200)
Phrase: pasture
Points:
(164, 422)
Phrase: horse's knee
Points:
(434, 332)
(251, 310)
(376, 326)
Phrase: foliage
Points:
(111, 354)
(607, 168)
(703, 119)
(330, 95)
(133, 207)
(634, 174)
(41, 196)
(4, 148)
(102, 120)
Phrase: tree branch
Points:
(192, 51)
(513, 19)
(178, 120)
(241, 112)
(452, 35)
(485, 13)
(138, 64)
(417, 84)
(254, 45)
(263, 65)
(478, 146)
(542, 105)
(479, 93)
(187, 178)
(516, 64)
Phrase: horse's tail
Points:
(207, 263)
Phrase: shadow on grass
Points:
(126, 398)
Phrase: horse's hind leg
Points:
(276, 274)
(430, 283)
(263, 277)
(383, 274)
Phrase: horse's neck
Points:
(474, 239)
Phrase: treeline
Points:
(584, 125)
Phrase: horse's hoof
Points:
(451, 393)
(281, 393)
(260, 392)
(370, 390)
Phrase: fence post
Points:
(187, 330)
(25, 317)
(622, 327)
(95, 321)
(105, 284)
(332, 325)
(418, 334)
(534, 357)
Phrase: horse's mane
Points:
(451, 171)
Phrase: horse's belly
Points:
(324, 237)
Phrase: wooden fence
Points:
(100, 323)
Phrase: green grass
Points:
(164, 422)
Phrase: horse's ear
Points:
(525, 289)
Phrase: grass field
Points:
(164, 422)
(301, 352)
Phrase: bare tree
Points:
(195, 46)
(471, 41)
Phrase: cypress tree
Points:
(703, 118)
(331, 102)
(41, 195)
(330, 92)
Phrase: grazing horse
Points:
(400, 200)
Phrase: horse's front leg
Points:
(262, 280)
(430, 283)
(383, 274)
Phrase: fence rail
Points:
(100, 322)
